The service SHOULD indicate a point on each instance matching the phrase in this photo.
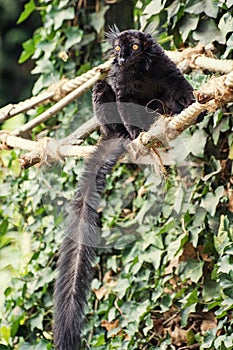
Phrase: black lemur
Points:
(141, 77)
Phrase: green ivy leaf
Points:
(62, 15)
(29, 49)
(63, 3)
(43, 66)
(166, 302)
(228, 342)
(207, 32)
(154, 7)
(149, 325)
(5, 333)
(173, 9)
(28, 9)
(216, 166)
(226, 23)
(191, 299)
(186, 310)
(194, 143)
(209, 7)
(179, 199)
(4, 226)
(47, 46)
(209, 338)
(192, 269)
(222, 239)
(225, 264)
(221, 341)
(5, 190)
(122, 287)
(187, 24)
(37, 322)
(140, 310)
(175, 246)
(222, 126)
(211, 200)
(210, 289)
(97, 19)
(229, 3)
(74, 36)
(152, 255)
(15, 325)
(14, 122)
(99, 341)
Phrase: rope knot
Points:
(49, 151)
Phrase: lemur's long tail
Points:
(77, 252)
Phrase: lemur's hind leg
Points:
(105, 109)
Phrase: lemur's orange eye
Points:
(117, 48)
(135, 47)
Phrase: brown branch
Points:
(54, 152)
(82, 132)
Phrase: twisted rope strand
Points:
(55, 92)
(191, 57)
(215, 93)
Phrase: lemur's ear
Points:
(148, 41)
(112, 34)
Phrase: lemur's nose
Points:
(121, 60)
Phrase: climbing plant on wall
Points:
(166, 282)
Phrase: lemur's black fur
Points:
(141, 78)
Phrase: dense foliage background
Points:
(165, 277)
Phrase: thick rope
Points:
(11, 110)
(183, 120)
(200, 58)
(73, 95)
(216, 93)
(220, 92)
(213, 65)
(55, 92)
(210, 96)
(61, 89)
(229, 80)
(194, 58)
